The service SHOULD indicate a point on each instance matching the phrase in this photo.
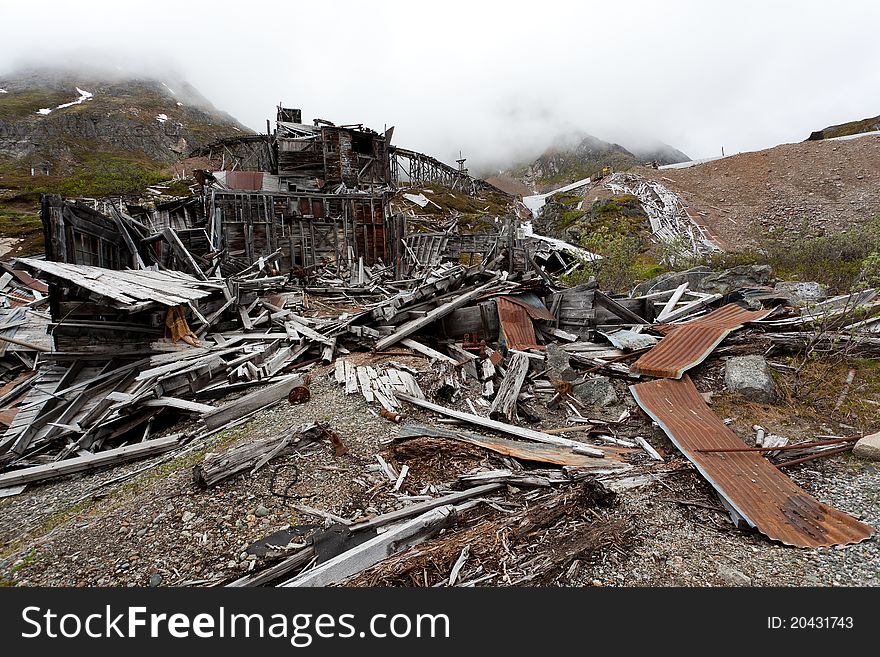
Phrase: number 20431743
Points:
(810, 623)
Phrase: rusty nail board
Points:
(765, 497)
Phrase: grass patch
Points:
(19, 104)
(475, 213)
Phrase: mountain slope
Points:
(49, 116)
(577, 157)
(794, 191)
(846, 129)
(91, 134)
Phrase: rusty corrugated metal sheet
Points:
(533, 305)
(688, 345)
(516, 325)
(765, 498)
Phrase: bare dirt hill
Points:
(806, 189)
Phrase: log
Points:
(504, 405)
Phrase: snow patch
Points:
(83, 97)
(162, 118)
(179, 104)
(3, 91)
(168, 88)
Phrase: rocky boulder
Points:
(671, 280)
(868, 447)
(558, 363)
(596, 391)
(803, 292)
(727, 281)
(750, 377)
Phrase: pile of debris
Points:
(163, 328)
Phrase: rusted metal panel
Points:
(689, 344)
(533, 305)
(765, 498)
(516, 325)
(244, 180)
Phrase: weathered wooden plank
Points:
(252, 402)
(427, 351)
(521, 432)
(504, 405)
(407, 329)
(371, 552)
(93, 462)
(182, 404)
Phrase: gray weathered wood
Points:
(93, 462)
(504, 405)
(371, 552)
(252, 402)
(520, 432)
(407, 329)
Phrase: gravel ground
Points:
(158, 528)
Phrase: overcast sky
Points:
(495, 80)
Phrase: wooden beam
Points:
(504, 405)
(427, 505)
(252, 402)
(519, 432)
(181, 252)
(427, 351)
(623, 313)
(376, 549)
(407, 329)
(92, 462)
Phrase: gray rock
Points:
(596, 391)
(727, 281)
(155, 580)
(558, 363)
(801, 292)
(671, 280)
(868, 447)
(750, 377)
(187, 516)
(733, 577)
(261, 511)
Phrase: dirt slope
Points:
(808, 188)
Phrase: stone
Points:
(261, 511)
(803, 292)
(868, 447)
(558, 363)
(750, 377)
(671, 280)
(729, 280)
(732, 576)
(155, 580)
(596, 391)
(187, 516)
